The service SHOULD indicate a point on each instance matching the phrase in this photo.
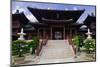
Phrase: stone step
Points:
(57, 49)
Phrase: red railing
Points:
(72, 44)
(42, 43)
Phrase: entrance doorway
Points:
(57, 33)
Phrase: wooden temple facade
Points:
(52, 24)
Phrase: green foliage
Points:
(36, 40)
(19, 48)
(76, 40)
(34, 44)
(89, 45)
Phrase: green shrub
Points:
(34, 44)
(89, 45)
(36, 40)
(76, 40)
(19, 48)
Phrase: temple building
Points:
(52, 24)
(18, 21)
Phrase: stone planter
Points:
(94, 55)
(19, 60)
(90, 56)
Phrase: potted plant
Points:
(19, 49)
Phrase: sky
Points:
(22, 7)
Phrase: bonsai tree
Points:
(19, 48)
(34, 44)
(89, 45)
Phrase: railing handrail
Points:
(41, 44)
(71, 43)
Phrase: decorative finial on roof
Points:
(66, 8)
(75, 8)
(92, 14)
(48, 8)
(17, 11)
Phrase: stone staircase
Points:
(57, 49)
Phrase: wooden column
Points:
(43, 33)
(38, 32)
(29, 36)
(51, 32)
(64, 32)
(75, 31)
(68, 32)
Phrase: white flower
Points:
(90, 43)
(23, 46)
(72, 39)
(21, 50)
(26, 45)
